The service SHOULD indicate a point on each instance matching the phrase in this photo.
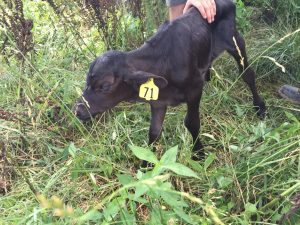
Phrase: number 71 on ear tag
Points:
(149, 90)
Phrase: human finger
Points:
(207, 7)
(214, 7)
(199, 6)
(210, 9)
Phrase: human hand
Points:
(207, 8)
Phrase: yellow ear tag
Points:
(149, 90)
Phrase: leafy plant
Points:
(243, 15)
(250, 174)
(152, 191)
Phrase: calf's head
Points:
(110, 80)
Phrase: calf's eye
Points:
(104, 87)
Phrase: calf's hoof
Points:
(261, 110)
(198, 152)
(198, 156)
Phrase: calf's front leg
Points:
(157, 118)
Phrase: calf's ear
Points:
(138, 78)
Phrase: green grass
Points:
(250, 175)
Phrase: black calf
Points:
(177, 58)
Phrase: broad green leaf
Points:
(72, 150)
(140, 190)
(173, 200)
(156, 216)
(142, 176)
(195, 166)
(161, 216)
(181, 170)
(127, 218)
(169, 156)
(184, 216)
(209, 160)
(224, 181)
(112, 208)
(291, 117)
(133, 199)
(93, 215)
(125, 179)
(158, 169)
(143, 154)
(139, 175)
(250, 208)
(166, 185)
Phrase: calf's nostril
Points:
(77, 112)
(76, 109)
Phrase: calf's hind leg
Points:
(238, 50)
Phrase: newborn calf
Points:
(169, 69)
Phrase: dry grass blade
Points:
(240, 53)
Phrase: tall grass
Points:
(61, 171)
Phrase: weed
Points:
(61, 171)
